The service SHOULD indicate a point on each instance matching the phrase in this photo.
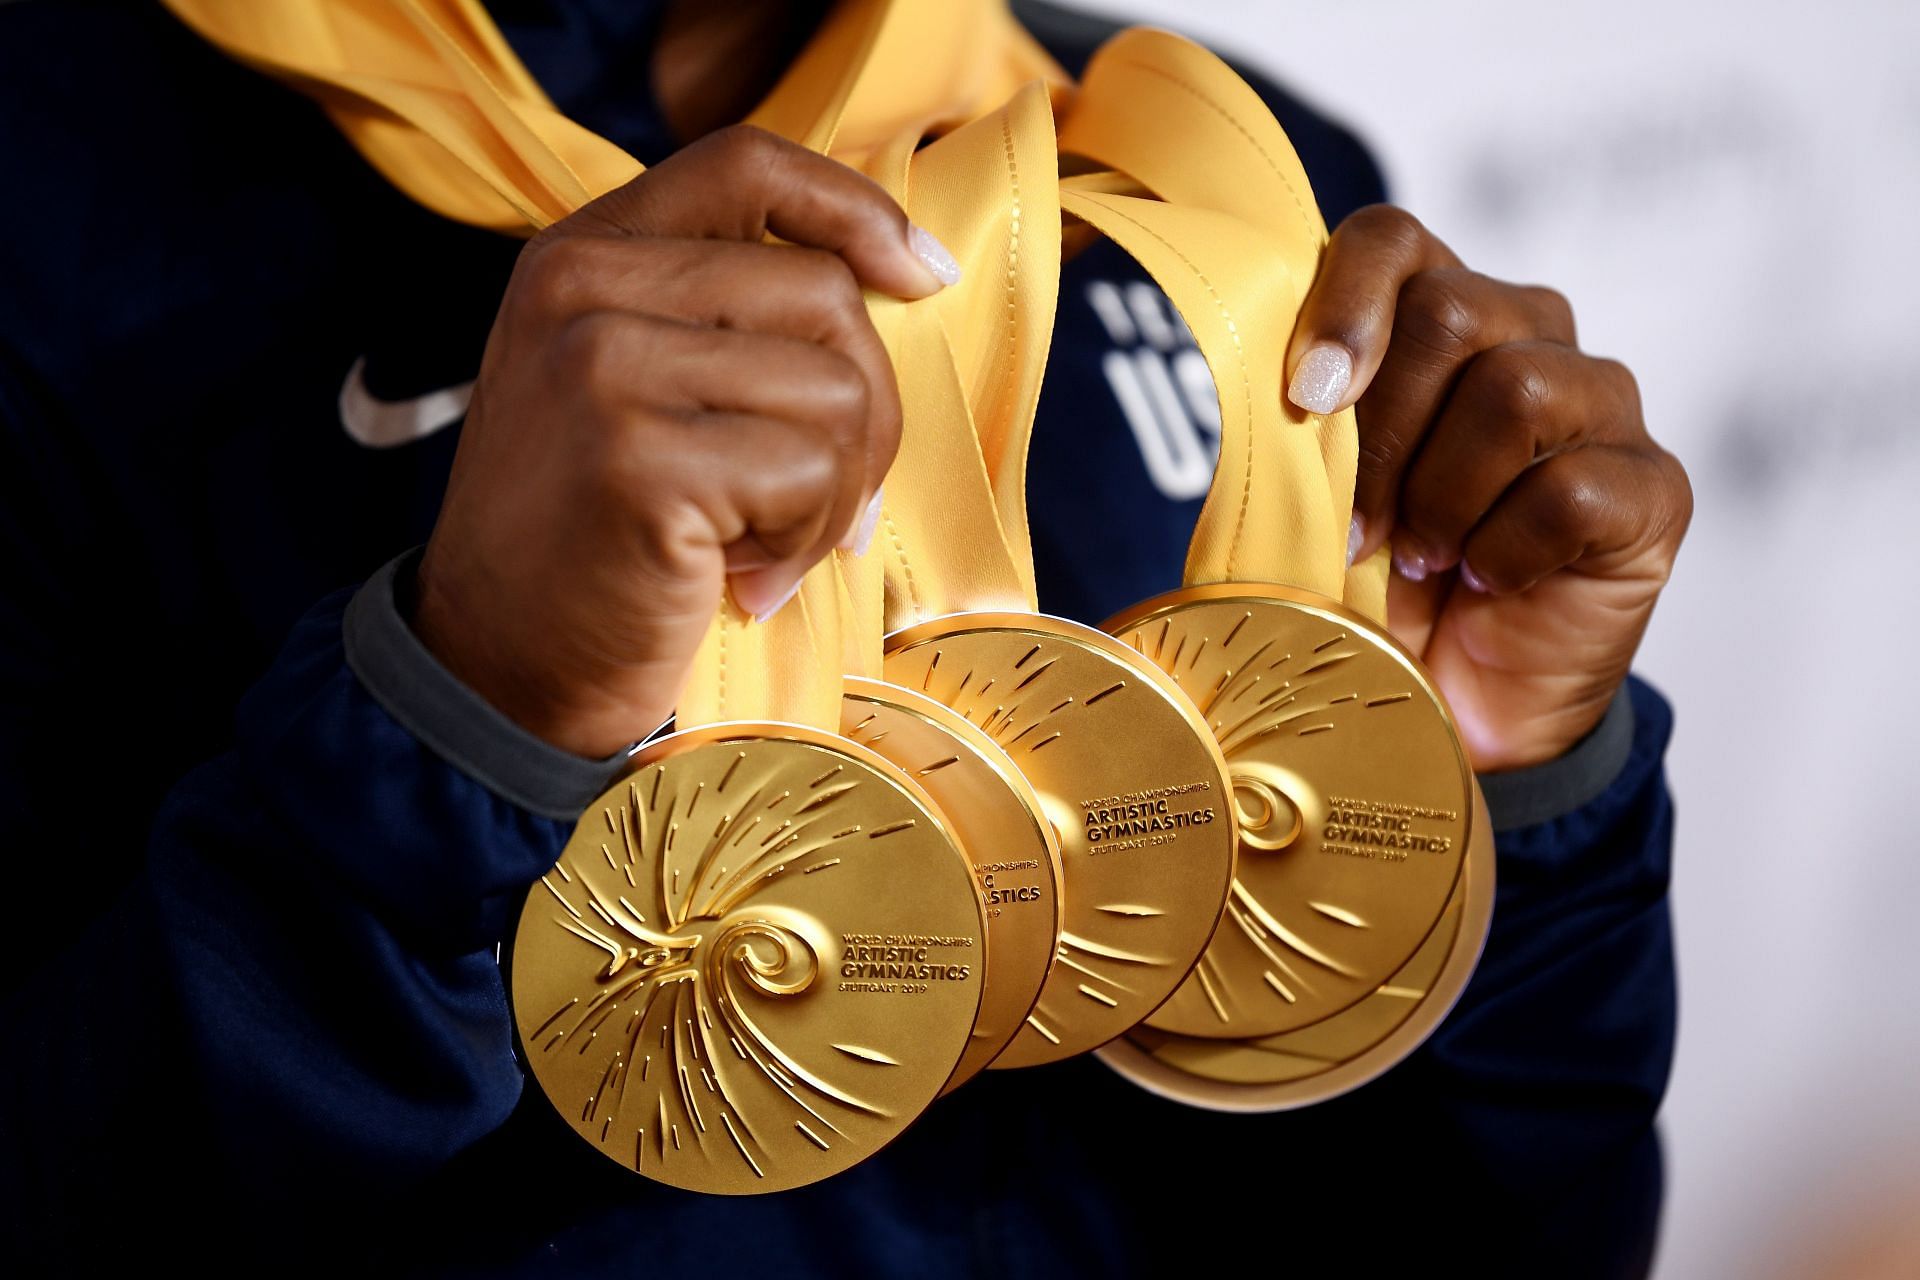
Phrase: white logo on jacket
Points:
(1162, 384)
(387, 424)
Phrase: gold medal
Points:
(1001, 827)
(1345, 1051)
(835, 950)
(1135, 789)
(1351, 792)
(757, 960)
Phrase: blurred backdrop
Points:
(1727, 193)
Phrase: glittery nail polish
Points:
(934, 256)
(1322, 379)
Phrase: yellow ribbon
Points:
(1232, 233)
(1202, 188)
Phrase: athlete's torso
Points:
(178, 331)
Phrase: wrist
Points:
(1511, 721)
(449, 719)
(571, 715)
(1572, 779)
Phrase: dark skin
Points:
(1534, 521)
(669, 408)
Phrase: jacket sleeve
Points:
(296, 1010)
(1551, 1069)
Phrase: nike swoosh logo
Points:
(386, 424)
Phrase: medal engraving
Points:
(1338, 1053)
(1004, 832)
(757, 960)
(1351, 793)
(1133, 786)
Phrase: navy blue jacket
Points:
(258, 858)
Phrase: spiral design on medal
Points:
(1268, 819)
(772, 959)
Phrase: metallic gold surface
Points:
(1136, 791)
(1299, 1068)
(757, 960)
(1351, 790)
(1003, 830)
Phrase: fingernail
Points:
(1322, 379)
(869, 521)
(779, 604)
(1356, 537)
(1473, 580)
(1410, 565)
(934, 256)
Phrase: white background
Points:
(1727, 193)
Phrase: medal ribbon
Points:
(1201, 186)
(1229, 228)
(432, 95)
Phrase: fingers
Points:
(1604, 503)
(802, 294)
(1442, 319)
(1511, 407)
(743, 183)
(776, 459)
(800, 383)
(776, 490)
(1347, 320)
(684, 246)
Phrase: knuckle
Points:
(1437, 313)
(1625, 385)
(748, 166)
(1515, 389)
(841, 389)
(550, 273)
(1680, 497)
(1683, 489)
(1569, 503)
(887, 418)
(830, 281)
(1386, 222)
(581, 347)
(592, 350)
(1555, 310)
(743, 147)
(798, 464)
(663, 528)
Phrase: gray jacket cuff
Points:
(453, 721)
(463, 729)
(1527, 797)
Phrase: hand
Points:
(1533, 520)
(667, 406)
